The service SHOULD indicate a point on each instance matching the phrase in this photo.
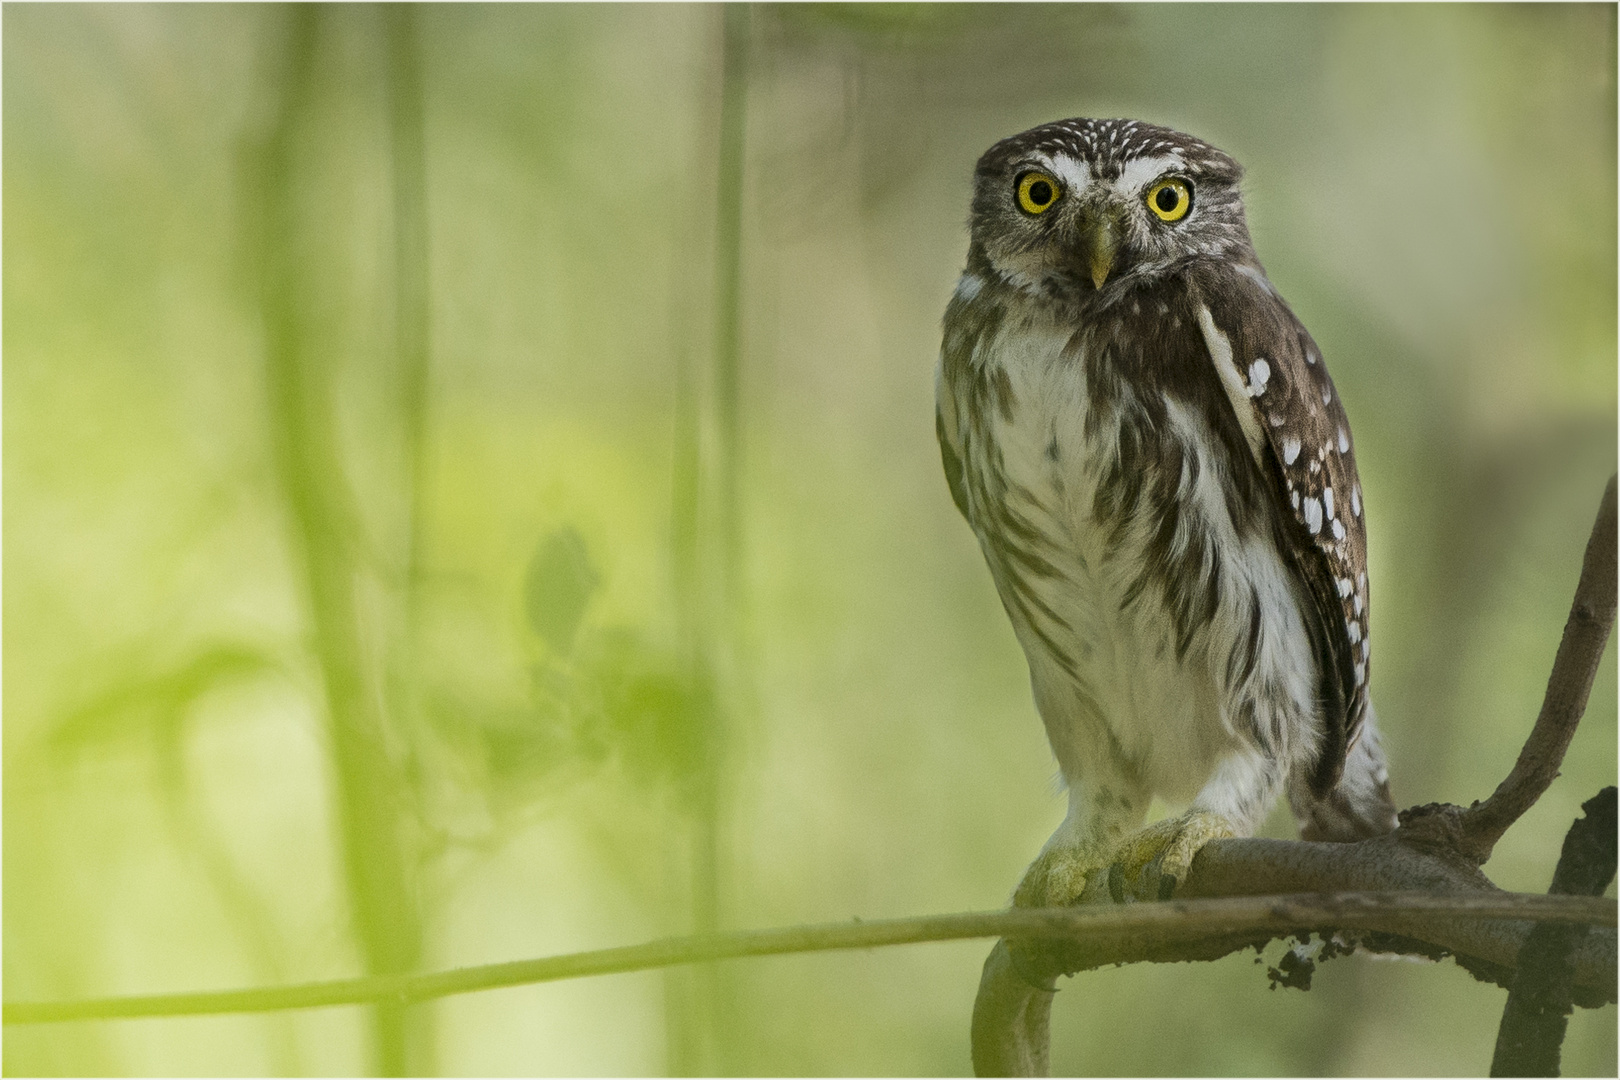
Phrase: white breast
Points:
(1173, 718)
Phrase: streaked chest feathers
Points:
(1119, 505)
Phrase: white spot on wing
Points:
(1327, 502)
(1344, 442)
(1345, 585)
(1327, 394)
(1355, 500)
(1259, 372)
(1291, 448)
(1313, 516)
(1338, 530)
(1355, 631)
(968, 287)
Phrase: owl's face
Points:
(1080, 207)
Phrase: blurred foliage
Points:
(606, 698)
(521, 508)
(558, 586)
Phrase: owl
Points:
(1162, 480)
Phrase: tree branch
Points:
(1438, 850)
(1579, 653)
(1536, 1016)
(1109, 934)
(1015, 992)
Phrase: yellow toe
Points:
(1060, 876)
(1154, 861)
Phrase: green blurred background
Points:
(402, 571)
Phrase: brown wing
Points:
(1312, 465)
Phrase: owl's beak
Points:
(1101, 246)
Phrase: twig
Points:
(1531, 1036)
(1112, 934)
(1579, 653)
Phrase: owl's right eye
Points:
(1037, 192)
(1170, 199)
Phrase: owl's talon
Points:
(1116, 884)
(1153, 863)
(1167, 887)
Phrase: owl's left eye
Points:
(1170, 199)
(1037, 192)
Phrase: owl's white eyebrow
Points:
(1073, 174)
(1139, 172)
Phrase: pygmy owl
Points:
(1147, 444)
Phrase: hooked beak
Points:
(1102, 243)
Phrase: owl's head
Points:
(1077, 207)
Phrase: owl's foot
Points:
(1060, 876)
(1147, 865)
(1154, 861)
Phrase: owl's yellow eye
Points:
(1037, 192)
(1170, 199)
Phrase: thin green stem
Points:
(411, 342)
(728, 451)
(694, 1019)
(728, 292)
(1132, 924)
(310, 469)
(411, 325)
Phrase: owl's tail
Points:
(1360, 805)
